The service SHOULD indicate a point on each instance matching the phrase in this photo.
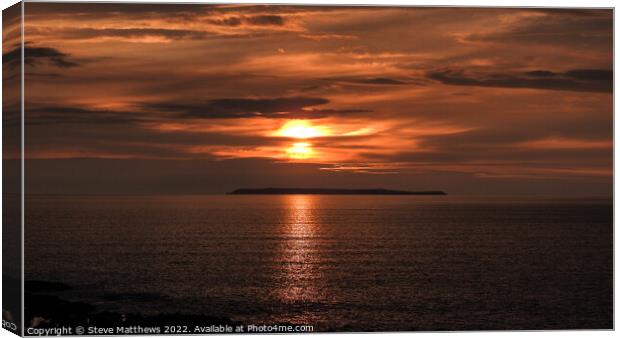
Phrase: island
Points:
(330, 191)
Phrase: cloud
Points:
(126, 33)
(491, 137)
(247, 21)
(282, 107)
(581, 80)
(33, 55)
(36, 115)
(375, 81)
(278, 108)
(544, 146)
(158, 33)
(78, 10)
(195, 94)
(541, 73)
(382, 81)
(266, 20)
(232, 21)
(327, 36)
(96, 138)
(579, 29)
(591, 74)
(579, 74)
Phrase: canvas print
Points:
(194, 168)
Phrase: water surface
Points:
(346, 263)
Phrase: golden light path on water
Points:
(301, 277)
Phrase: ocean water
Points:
(340, 263)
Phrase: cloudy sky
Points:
(127, 98)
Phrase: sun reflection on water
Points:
(301, 276)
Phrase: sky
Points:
(135, 98)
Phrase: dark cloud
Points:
(580, 29)
(521, 158)
(11, 113)
(289, 107)
(233, 21)
(507, 148)
(370, 80)
(327, 83)
(579, 74)
(78, 10)
(86, 10)
(64, 114)
(581, 80)
(89, 33)
(256, 20)
(129, 139)
(34, 55)
(382, 80)
(266, 20)
(128, 33)
(479, 138)
(283, 107)
(586, 128)
(592, 74)
(541, 73)
(575, 12)
(515, 144)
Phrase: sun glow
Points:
(302, 130)
(300, 151)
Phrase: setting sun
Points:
(300, 151)
(301, 129)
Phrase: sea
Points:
(338, 263)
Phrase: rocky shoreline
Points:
(46, 309)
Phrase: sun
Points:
(302, 130)
(300, 151)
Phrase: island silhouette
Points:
(330, 191)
